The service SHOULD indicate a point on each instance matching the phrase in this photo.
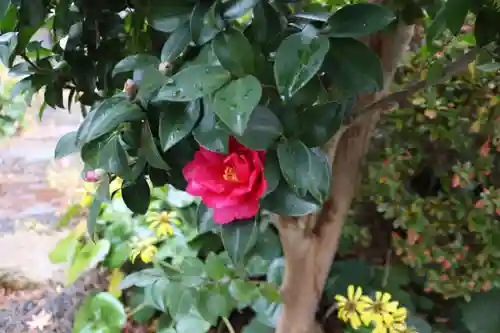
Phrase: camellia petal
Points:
(230, 184)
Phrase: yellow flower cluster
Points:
(162, 223)
(384, 315)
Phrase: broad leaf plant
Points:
(256, 106)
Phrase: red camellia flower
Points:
(230, 184)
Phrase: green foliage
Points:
(12, 110)
(162, 78)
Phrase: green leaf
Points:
(284, 201)
(4, 5)
(168, 16)
(192, 83)
(353, 67)
(456, 14)
(486, 26)
(193, 271)
(209, 133)
(489, 67)
(473, 313)
(205, 219)
(262, 129)
(176, 124)
(304, 170)
(180, 300)
(298, 59)
(192, 323)
(176, 43)
(113, 158)
(149, 81)
(154, 294)
(236, 8)
(137, 195)
(93, 214)
(206, 22)
(149, 149)
(134, 62)
(359, 20)
(106, 117)
(87, 258)
(276, 271)
(8, 43)
(215, 267)
(320, 178)
(243, 291)
(213, 305)
(235, 102)
(272, 171)
(319, 123)
(101, 310)
(143, 278)
(234, 51)
(64, 250)
(66, 145)
(239, 238)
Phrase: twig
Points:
(387, 268)
(230, 327)
(401, 96)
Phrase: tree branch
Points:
(401, 96)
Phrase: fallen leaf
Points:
(40, 321)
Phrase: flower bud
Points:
(165, 67)
(94, 176)
(130, 88)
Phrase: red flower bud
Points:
(444, 277)
(455, 181)
(479, 204)
(485, 148)
(94, 176)
(428, 290)
(471, 284)
(446, 264)
(130, 88)
(486, 286)
(459, 256)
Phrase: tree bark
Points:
(310, 242)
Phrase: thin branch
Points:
(229, 327)
(402, 96)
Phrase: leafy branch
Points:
(392, 100)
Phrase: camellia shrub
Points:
(262, 109)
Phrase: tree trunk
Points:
(310, 242)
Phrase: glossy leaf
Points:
(236, 8)
(192, 83)
(210, 133)
(149, 149)
(137, 195)
(4, 5)
(284, 201)
(235, 102)
(179, 300)
(295, 164)
(319, 123)
(133, 62)
(473, 312)
(234, 51)
(272, 171)
(239, 238)
(176, 43)
(66, 145)
(205, 218)
(262, 129)
(353, 67)
(168, 16)
(298, 59)
(176, 123)
(106, 117)
(359, 20)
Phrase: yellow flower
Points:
(145, 248)
(162, 222)
(351, 308)
(381, 309)
(401, 328)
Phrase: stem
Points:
(230, 327)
